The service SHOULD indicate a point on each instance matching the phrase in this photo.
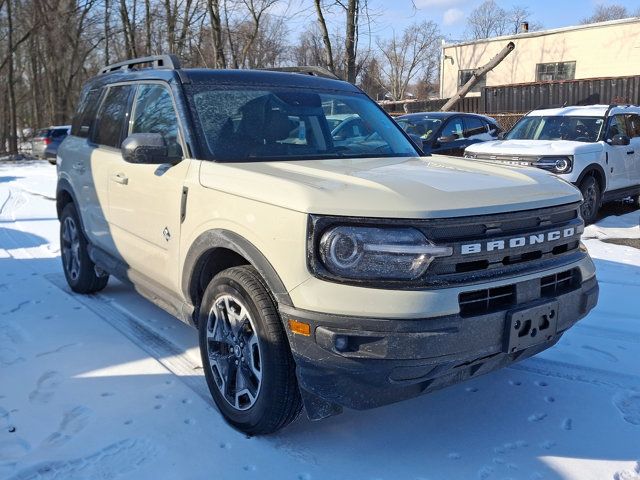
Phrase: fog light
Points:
(342, 343)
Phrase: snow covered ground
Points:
(109, 386)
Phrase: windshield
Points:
(578, 129)
(247, 124)
(424, 128)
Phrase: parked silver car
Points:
(46, 141)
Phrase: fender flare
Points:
(64, 186)
(590, 168)
(219, 238)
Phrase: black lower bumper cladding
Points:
(362, 363)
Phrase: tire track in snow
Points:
(578, 373)
(164, 351)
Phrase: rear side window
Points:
(83, 119)
(112, 115)
(475, 126)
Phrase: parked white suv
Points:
(597, 148)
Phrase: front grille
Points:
(480, 302)
(522, 258)
(560, 283)
(490, 300)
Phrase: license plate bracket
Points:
(529, 326)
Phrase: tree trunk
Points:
(147, 22)
(325, 37)
(107, 56)
(13, 127)
(219, 60)
(350, 41)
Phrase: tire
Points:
(635, 201)
(246, 356)
(79, 269)
(592, 195)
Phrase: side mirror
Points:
(447, 139)
(145, 148)
(500, 136)
(619, 140)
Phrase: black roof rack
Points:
(169, 62)
(313, 70)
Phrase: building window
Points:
(465, 75)
(549, 72)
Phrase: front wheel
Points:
(591, 193)
(246, 357)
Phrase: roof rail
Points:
(169, 62)
(313, 70)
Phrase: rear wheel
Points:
(591, 193)
(79, 269)
(245, 353)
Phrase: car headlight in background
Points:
(555, 164)
(377, 253)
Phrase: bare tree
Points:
(491, 20)
(219, 59)
(409, 55)
(603, 13)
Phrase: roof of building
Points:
(540, 33)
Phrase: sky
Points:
(450, 15)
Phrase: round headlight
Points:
(562, 164)
(344, 250)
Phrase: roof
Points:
(440, 115)
(552, 31)
(585, 111)
(224, 77)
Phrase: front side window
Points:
(425, 128)
(578, 129)
(112, 115)
(261, 124)
(454, 127)
(634, 125)
(153, 112)
(549, 72)
(617, 126)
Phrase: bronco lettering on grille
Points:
(517, 242)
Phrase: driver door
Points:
(145, 200)
(620, 160)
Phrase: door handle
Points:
(120, 178)
(631, 152)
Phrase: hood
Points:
(426, 187)
(533, 147)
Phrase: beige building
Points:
(607, 49)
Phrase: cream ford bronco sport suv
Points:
(323, 275)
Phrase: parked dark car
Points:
(46, 141)
(449, 133)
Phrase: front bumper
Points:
(388, 360)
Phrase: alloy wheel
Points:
(233, 350)
(71, 248)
